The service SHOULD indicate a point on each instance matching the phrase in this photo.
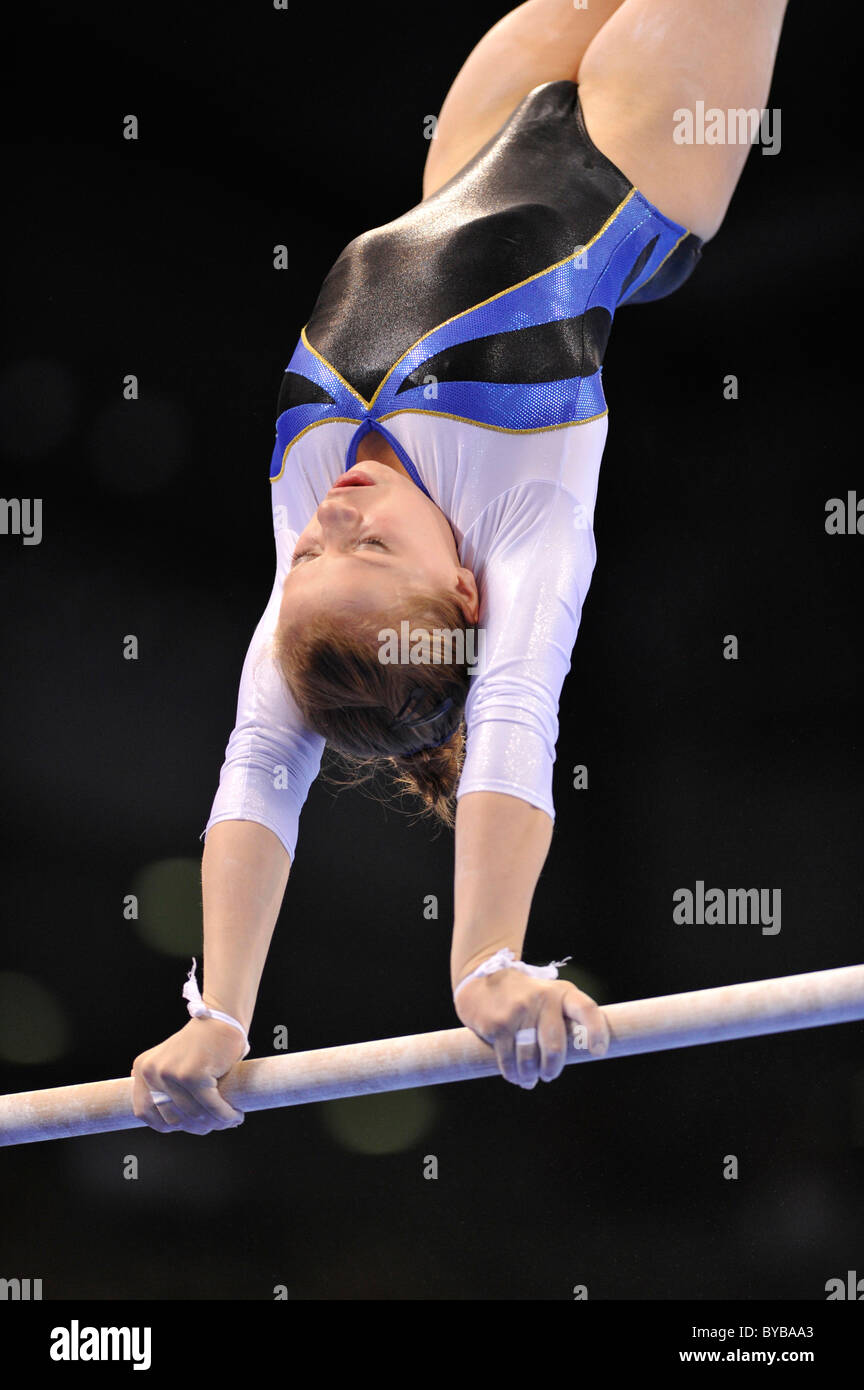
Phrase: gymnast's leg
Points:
(541, 41)
(654, 57)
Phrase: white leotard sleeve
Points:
(532, 552)
(272, 758)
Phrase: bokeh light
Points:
(33, 1028)
(169, 906)
(589, 984)
(857, 1108)
(138, 446)
(380, 1124)
(38, 407)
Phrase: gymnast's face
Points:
(374, 541)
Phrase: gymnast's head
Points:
(375, 635)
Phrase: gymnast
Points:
(438, 443)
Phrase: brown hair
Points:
(349, 696)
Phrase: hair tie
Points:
(433, 728)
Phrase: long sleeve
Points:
(271, 759)
(532, 550)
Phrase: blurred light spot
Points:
(172, 1181)
(806, 1206)
(589, 984)
(138, 446)
(388, 1123)
(38, 407)
(858, 1110)
(32, 1026)
(169, 906)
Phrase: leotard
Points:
(470, 333)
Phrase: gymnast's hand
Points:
(499, 1007)
(187, 1067)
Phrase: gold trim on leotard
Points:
(445, 415)
(580, 251)
(332, 420)
(439, 414)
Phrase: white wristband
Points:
(505, 959)
(198, 1009)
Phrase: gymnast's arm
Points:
(270, 763)
(533, 577)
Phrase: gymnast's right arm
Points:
(270, 763)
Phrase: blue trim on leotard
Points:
(595, 278)
(370, 424)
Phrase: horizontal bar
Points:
(432, 1059)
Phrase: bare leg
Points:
(652, 58)
(541, 41)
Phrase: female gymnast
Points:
(438, 442)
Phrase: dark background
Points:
(154, 257)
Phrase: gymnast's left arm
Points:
(534, 555)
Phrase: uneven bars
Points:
(430, 1059)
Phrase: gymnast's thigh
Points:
(654, 58)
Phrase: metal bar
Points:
(432, 1059)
